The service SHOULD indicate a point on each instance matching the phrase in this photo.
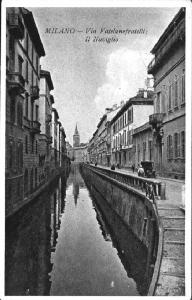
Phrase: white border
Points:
(103, 3)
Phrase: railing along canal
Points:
(144, 184)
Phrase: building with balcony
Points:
(33, 50)
(134, 113)
(46, 101)
(99, 148)
(23, 51)
(55, 137)
(168, 118)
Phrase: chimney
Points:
(122, 102)
(145, 94)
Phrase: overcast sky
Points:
(90, 76)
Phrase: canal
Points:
(64, 243)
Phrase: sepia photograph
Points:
(96, 136)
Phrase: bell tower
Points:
(76, 138)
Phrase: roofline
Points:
(131, 101)
(101, 120)
(33, 31)
(169, 28)
(47, 75)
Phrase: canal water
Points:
(63, 244)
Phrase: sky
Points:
(94, 67)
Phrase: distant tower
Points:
(76, 138)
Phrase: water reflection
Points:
(65, 244)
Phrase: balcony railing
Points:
(16, 26)
(49, 139)
(49, 118)
(34, 92)
(16, 82)
(35, 127)
(156, 120)
(26, 122)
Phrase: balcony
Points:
(16, 27)
(34, 92)
(35, 127)
(156, 120)
(49, 140)
(26, 122)
(16, 82)
(49, 118)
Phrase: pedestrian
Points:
(133, 168)
(141, 172)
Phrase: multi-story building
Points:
(23, 51)
(143, 144)
(33, 50)
(99, 148)
(45, 137)
(134, 113)
(168, 118)
(55, 134)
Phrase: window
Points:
(158, 102)
(36, 147)
(32, 77)
(31, 181)
(20, 62)
(36, 112)
(19, 114)
(11, 156)
(32, 145)
(32, 53)
(183, 87)
(26, 182)
(37, 64)
(144, 150)
(12, 110)
(26, 144)
(130, 115)
(138, 153)
(150, 150)
(183, 144)
(32, 107)
(27, 43)
(124, 137)
(35, 177)
(169, 99)
(176, 145)
(27, 70)
(26, 105)
(176, 91)
(169, 147)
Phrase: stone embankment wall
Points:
(135, 210)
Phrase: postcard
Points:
(96, 148)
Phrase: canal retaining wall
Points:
(14, 208)
(135, 210)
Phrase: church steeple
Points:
(76, 130)
(76, 138)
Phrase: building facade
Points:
(168, 119)
(23, 51)
(134, 113)
(143, 144)
(45, 115)
(29, 130)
